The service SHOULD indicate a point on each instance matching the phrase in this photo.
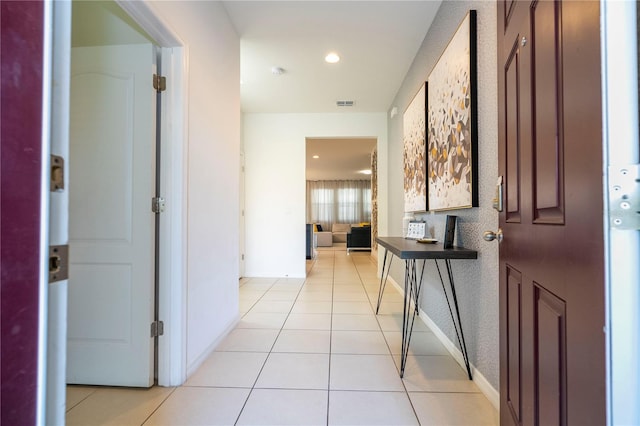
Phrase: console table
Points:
(411, 251)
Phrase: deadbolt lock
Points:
(497, 200)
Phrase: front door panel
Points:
(551, 259)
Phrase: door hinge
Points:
(159, 83)
(57, 173)
(158, 205)
(157, 328)
(58, 263)
(624, 196)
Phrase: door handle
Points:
(490, 235)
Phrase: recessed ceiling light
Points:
(365, 172)
(332, 58)
(316, 156)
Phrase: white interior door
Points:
(111, 225)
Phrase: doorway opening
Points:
(100, 24)
(341, 192)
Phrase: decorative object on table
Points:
(415, 160)
(449, 231)
(452, 123)
(416, 230)
(427, 240)
(408, 217)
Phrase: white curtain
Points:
(338, 201)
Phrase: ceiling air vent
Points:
(344, 103)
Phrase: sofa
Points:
(338, 234)
(340, 231)
(324, 238)
(359, 238)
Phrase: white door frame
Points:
(622, 247)
(172, 345)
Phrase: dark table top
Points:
(411, 249)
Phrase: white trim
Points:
(59, 216)
(478, 378)
(193, 367)
(173, 271)
(43, 273)
(620, 147)
(146, 17)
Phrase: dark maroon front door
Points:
(22, 25)
(552, 345)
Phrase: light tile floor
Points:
(306, 352)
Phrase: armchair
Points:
(359, 238)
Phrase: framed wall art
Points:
(452, 123)
(415, 161)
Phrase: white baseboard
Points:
(191, 368)
(483, 384)
(478, 378)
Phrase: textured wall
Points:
(477, 280)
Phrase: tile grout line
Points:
(159, 405)
(259, 298)
(270, 349)
(406, 392)
(333, 284)
(79, 402)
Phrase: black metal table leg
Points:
(406, 333)
(419, 286)
(411, 292)
(456, 325)
(383, 278)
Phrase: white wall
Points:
(103, 23)
(476, 281)
(212, 167)
(274, 147)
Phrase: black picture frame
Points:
(452, 123)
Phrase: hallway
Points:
(306, 352)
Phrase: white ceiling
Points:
(376, 40)
(339, 159)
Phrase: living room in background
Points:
(339, 191)
(338, 202)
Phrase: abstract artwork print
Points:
(415, 162)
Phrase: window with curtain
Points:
(338, 201)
